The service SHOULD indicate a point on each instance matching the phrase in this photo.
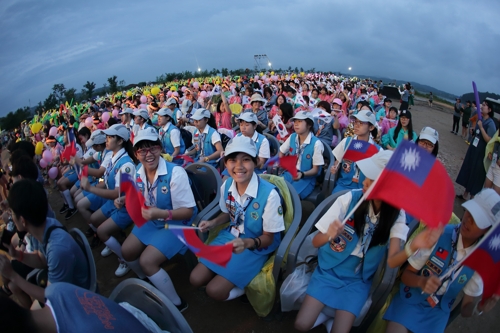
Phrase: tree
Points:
(113, 84)
(224, 71)
(295, 70)
(58, 91)
(289, 68)
(51, 102)
(69, 95)
(104, 88)
(122, 84)
(301, 69)
(90, 86)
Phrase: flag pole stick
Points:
(175, 226)
(363, 198)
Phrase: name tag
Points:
(235, 232)
(475, 142)
(433, 300)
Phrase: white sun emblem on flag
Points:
(410, 159)
(495, 243)
(358, 145)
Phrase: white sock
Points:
(92, 227)
(115, 246)
(63, 197)
(136, 267)
(235, 292)
(329, 324)
(320, 320)
(163, 283)
(68, 198)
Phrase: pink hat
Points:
(337, 101)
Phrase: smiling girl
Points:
(402, 131)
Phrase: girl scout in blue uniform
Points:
(98, 207)
(402, 131)
(170, 136)
(309, 151)
(411, 309)
(253, 208)
(206, 139)
(170, 200)
(70, 176)
(141, 121)
(349, 255)
(365, 129)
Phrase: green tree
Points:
(89, 86)
(69, 95)
(59, 91)
(301, 69)
(113, 84)
(224, 71)
(104, 88)
(51, 102)
(122, 84)
(295, 70)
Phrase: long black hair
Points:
(399, 126)
(287, 110)
(388, 215)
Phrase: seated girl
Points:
(170, 135)
(350, 177)
(390, 121)
(402, 131)
(169, 200)
(309, 152)
(253, 208)
(206, 139)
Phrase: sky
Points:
(443, 44)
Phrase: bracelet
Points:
(169, 218)
(254, 247)
(260, 242)
(408, 250)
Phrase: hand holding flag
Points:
(134, 200)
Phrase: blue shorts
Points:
(96, 201)
(71, 176)
(119, 216)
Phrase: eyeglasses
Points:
(426, 144)
(153, 150)
(359, 123)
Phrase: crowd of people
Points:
(150, 134)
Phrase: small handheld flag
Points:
(359, 150)
(134, 200)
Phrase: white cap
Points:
(118, 130)
(366, 116)
(484, 208)
(96, 138)
(149, 134)
(257, 98)
(186, 104)
(165, 112)
(372, 167)
(303, 115)
(430, 134)
(241, 144)
(170, 101)
(127, 110)
(141, 113)
(200, 114)
(249, 117)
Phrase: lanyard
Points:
(202, 144)
(151, 190)
(366, 240)
(455, 265)
(239, 210)
(111, 165)
(300, 148)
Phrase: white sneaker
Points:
(122, 269)
(106, 252)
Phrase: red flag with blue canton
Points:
(485, 260)
(134, 200)
(417, 182)
(217, 254)
(359, 150)
(70, 149)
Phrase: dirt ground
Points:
(207, 315)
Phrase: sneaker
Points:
(64, 209)
(106, 252)
(452, 132)
(70, 213)
(96, 241)
(122, 269)
(183, 306)
(90, 232)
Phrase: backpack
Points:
(187, 137)
(224, 139)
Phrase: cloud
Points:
(430, 42)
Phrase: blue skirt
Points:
(242, 268)
(119, 216)
(154, 234)
(96, 201)
(71, 176)
(303, 186)
(418, 318)
(340, 287)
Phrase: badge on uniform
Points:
(235, 232)
(442, 253)
(254, 215)
(338, 244)
(308, 156)
(127, 170)
(280, 210)
(256, 205)
(433, 300)
(164, 190)
(462, 279)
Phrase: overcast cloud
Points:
(444, 44)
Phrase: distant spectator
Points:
(456, 116)
(466, 113)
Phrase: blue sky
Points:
(440, 43)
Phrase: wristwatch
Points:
(301, 174)
(206, 159)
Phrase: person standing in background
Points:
(431, 98)
(466, 113)
(456, 116)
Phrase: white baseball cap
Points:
(171, 101)
(430, 134)
(241, 144)
(165, 112)
(141, 113)
(484, 208)
(186, 104)
(366, 116)
(118, 130)
(249, 117)
(127, 110)
(96, 138)
(372, 167)
(200, 114)
(303, 115)
(149, 134)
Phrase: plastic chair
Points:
(321, 192)
(153, 303)
(82, 241)
(274, 145)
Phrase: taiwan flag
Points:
(134, 200)
(417, 182)
(70, 149)
(359, 150)
(485, 260)
(217, 254)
